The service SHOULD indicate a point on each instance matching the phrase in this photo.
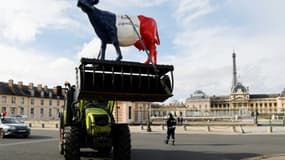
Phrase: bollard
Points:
(30, 125)
(141, 127)
(208, 127)
(241, 129)
(185, 128)
(56, 125)
(234, 129)
(1, 133)
(270, 129)
(162, 126)
(43, 125)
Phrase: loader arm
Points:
(110, 107)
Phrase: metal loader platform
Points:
(126, 81)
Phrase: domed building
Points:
(198, 94)
(239, 101)
(197, 103)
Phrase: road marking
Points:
(29, 142)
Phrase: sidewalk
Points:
(223, 130)
(269, 157)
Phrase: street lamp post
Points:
(140, 115)
(117, 111)
(283, 116)
(148, 120)
(255, 117)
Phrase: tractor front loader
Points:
(87, 120)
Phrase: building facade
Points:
(132, 112)
(34, 102)
(42, 103)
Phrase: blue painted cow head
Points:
(90, 2)
(94, 2)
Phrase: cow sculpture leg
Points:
(102, 51)
(152, 55)
(151, 50)
(118, 50)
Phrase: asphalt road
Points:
(42, 145)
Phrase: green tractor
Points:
(87, 120)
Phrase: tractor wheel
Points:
(71, 143)
(121, 142)
(61, 132)
(105, 150)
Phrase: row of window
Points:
(42, 93)
(245, 105)
(13, 100)
(200, 106)
(264, 104)
(32, 101)
(12, 111)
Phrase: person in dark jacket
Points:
(171, 125)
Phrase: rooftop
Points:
(27, 90)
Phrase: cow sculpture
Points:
(122, 30)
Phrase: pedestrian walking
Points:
(3, 114)
(171, 126)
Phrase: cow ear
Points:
(94, 2)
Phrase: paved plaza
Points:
(194, 142)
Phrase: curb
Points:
(268, 157)
(214, 130)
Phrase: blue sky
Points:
(41, 41)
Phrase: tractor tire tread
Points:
(72, 143)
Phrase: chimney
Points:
(45, 87)
(31, 86)
(54, 90)
(20, 85)
(58, 91)
(11, 83)
(62, 91)
(39, 87)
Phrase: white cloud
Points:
(203, 60)
(262, 15)
(28, 65)
(131, 3)
(90, 49)
(23, 20)
(190, 10)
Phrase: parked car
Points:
(21, 117)
(13, 127)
